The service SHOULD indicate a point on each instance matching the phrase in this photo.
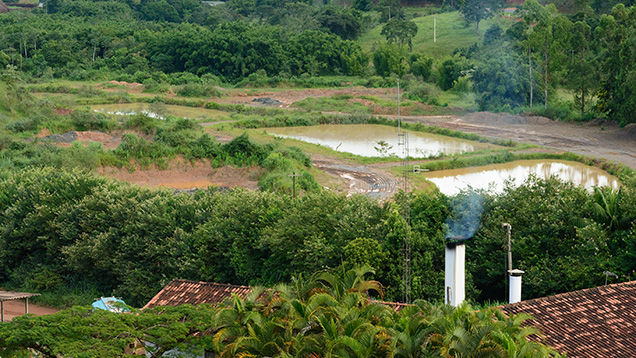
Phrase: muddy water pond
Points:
(363, 140)
(159, 111)
(492, 177)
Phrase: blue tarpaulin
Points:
(112, 304)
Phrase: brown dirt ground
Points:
(182, 175)
(14, 308)
(598, 139)
(291, 96)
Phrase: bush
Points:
(462, 85)
(152, 86)
(85, 120)
(198, 90)
(423, 92)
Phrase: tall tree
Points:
(474, 11)
(547, 32)
(400, 32)
(582, 69)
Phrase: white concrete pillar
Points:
(514, 294)
(455, 275)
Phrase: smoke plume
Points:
(467, 209)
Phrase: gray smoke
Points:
(467, 208)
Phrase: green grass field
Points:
(451, 34)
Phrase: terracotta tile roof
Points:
(397, 306)
(179, 292)
(595, 322)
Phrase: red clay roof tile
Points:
(595, 322)
(179, 292)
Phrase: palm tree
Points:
(607, 210)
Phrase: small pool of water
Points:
(492, 177)
(177, 111)
(363, 140)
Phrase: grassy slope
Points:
(451, 34)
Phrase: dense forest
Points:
(513, 65)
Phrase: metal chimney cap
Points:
(516, 272)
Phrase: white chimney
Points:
(514, 294)
(454, 288)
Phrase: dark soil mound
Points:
(267, 101)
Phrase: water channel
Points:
(493, 177)
(362, 139)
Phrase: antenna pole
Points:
(399, 119)
(406, 210)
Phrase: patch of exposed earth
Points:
(66, 139)
(359, 179)
(15, 308)
(286, 98)
(597, 139)
(184, 175)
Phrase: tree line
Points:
(64, 231)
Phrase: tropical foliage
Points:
(329, 314)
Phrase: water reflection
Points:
(493, 177)
(126, 109)
(362, 139)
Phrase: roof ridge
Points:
(566, 294)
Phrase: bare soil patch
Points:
(184, 175)
(64, 111)
(66, 139)
(597, 139)
(288, 97)
(359, 179)
(132, 87)
(15, 308)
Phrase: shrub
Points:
(85, 120)
(423, 92)
(199, 90)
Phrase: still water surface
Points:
(492, 177)
(177, 111)
(362, 139)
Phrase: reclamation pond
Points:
(493, 177)
(362, 140)
(124, 109)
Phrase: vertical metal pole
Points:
(399, 120)
(434, 29)
(294, 175)
(509, 251)
(1, 311)
(26, 305)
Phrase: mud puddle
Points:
(365, 140)
(493, 177)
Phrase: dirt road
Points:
(599, 139)
(360, 179)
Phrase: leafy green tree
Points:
(389, 59)
(341, 22)
(548, 36)
(499, 83)
(474, 11)
(421, 65)
(400, 32)
(450, 70)
(583, 75)
(390, 9)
